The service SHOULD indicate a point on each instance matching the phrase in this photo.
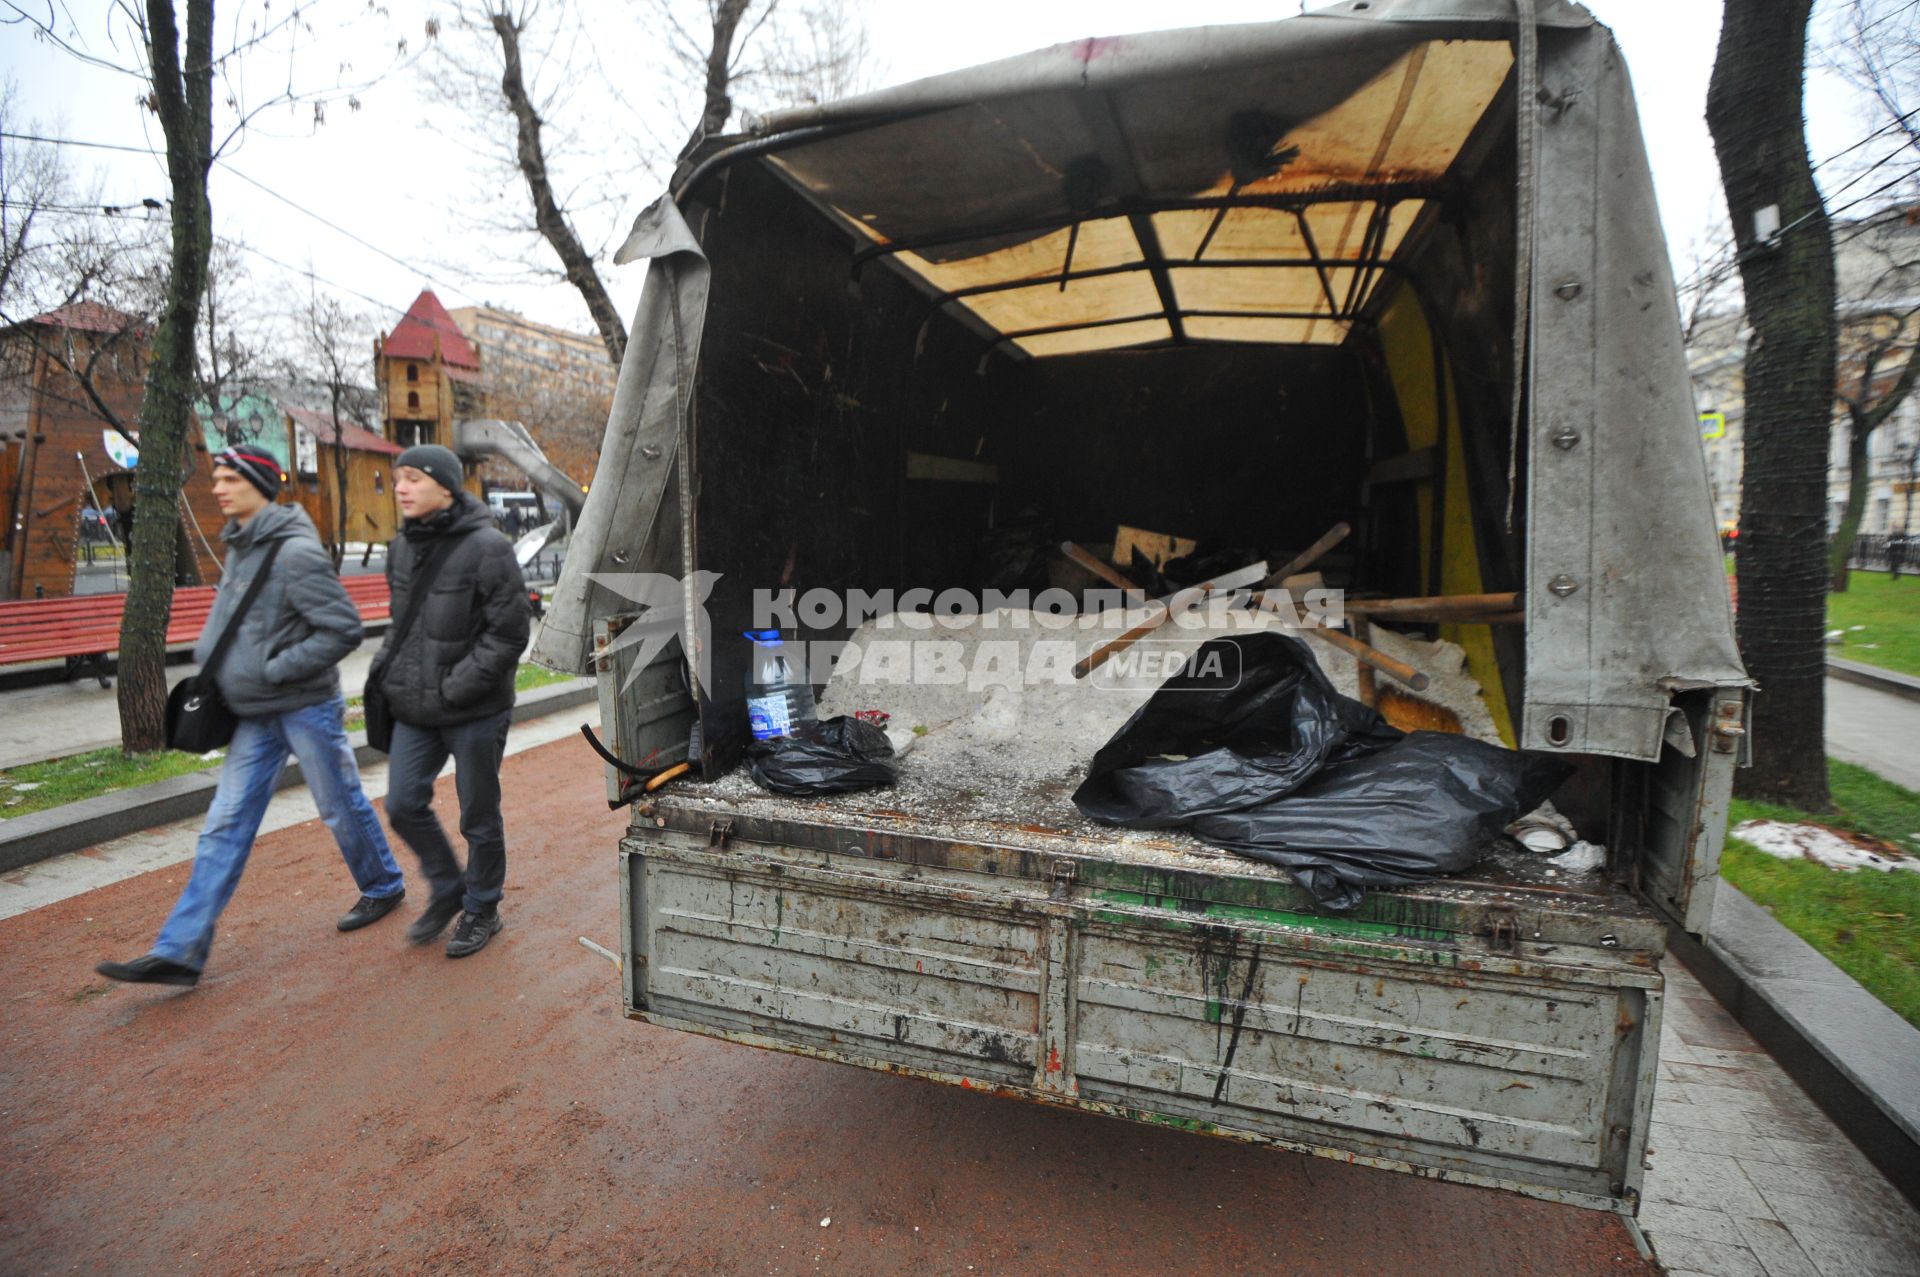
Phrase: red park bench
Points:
(84, 629)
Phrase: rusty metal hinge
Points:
(720, 833)
(1502, 930)
(1728, 726)
(1063, 873)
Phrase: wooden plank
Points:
(1420, 464)
(925, 465)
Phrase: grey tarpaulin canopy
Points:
(1081, 198)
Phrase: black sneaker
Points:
(370, 909)
(150, 970)
(434, 918)
(472, 933)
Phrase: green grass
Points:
(101, 771)
(1867, 922)
(67, 780)
(532, 676)
(1890, 611)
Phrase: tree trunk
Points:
(340, 514)
(547, 213)
(182, 97)
(1754, 112)
(1858, 436)
(718, 107)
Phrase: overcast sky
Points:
(399, 173)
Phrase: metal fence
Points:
(1886, 553)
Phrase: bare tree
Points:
(177, 71)
(1755, 113)
(62, 243)
(332, 364)
(1879, 356)
(517, 62)
(1875, 46)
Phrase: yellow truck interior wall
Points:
(1403, 333)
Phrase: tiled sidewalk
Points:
(1746, 1176)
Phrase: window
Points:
(413, 399)
(413, 372)
(379, 482)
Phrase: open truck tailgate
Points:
(1495, 1032)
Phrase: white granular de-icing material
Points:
(994, 707)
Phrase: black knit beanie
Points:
(436, 462)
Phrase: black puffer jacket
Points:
(458, 660)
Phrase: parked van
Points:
(1396, 263)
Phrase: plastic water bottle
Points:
(779, 699)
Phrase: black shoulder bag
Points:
(373, 701)
(198, 718)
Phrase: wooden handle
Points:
(1373, 656)
(1439, 607)
(1311, 555)
(1369, 694)
(1353, 647)
(1096, 565)
(1173, 605)
(678, 769)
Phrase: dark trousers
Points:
(417, 756)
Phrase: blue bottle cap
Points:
(765, 638)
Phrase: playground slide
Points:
(484, 437)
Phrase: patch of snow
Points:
(1816, 843)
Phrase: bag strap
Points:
(419, 588)
(254, 587)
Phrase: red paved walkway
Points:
(344, 1103)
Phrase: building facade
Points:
(1877, 283)
(558, 383)
(66, 378)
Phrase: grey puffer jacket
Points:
(458, 660)
(288, 647)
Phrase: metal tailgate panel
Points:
(818, 964)
(1510, 1062)
(1395, 1061)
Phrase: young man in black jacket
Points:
(449, 685)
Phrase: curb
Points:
(27, 840)
(1853, 1056)
(1890, 681)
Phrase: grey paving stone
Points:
(1755, 1060)
(1773, 1245)
(1844, 1254)
(1678, 1112)
(1661, 1219)
(1835, 1153)
(1833, 1212)
(1847, 1186)
(1706, 1181)
(1662, 1134)
(1694, 1255)
(1712, 1074)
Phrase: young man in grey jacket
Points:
(449, 684)
(279, 678)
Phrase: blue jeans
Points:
(417, 756)
(317, 736)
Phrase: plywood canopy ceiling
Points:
(1256, 205)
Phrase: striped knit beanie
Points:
(257, 468)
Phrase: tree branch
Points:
(548, 215)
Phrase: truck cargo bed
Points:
(1495, 1028)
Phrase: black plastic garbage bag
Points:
(1278, 766)
(831, 757)
(1227, 734)
(1429, 804)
